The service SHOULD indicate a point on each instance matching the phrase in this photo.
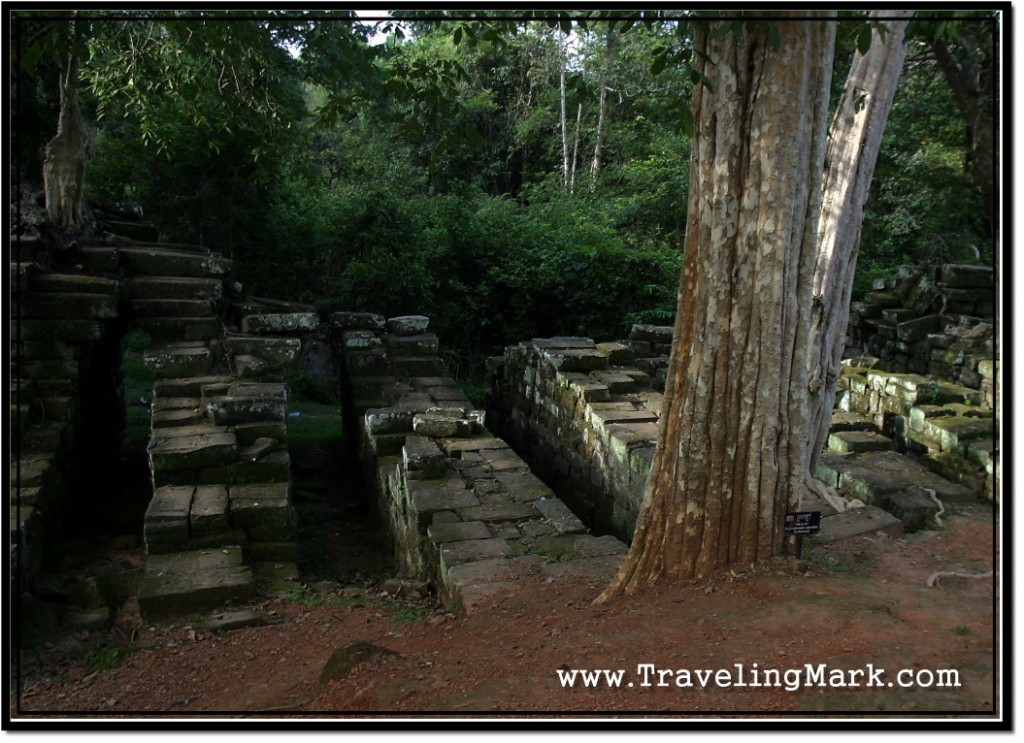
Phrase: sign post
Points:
(800, 523)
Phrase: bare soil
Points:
(864, 603)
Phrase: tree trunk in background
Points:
(732, 449)
(973, 84)
(562, 116)
(855, 138)
(64, 166)
(595, 163)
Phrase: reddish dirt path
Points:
(861, 603)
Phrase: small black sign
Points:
(803, 522)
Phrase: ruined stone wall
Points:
(218, 450)
(586, 416)
(464, 512)
(936, 321)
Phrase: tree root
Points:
(942, 509)
(933, 580)
(829, 494)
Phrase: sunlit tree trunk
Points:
(733, 445)
(64, 166)
(855, 138)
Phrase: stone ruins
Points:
(549, 477)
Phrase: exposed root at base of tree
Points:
(829, 494)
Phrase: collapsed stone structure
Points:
(469, 497)
(463, 510)
(585, 414)
(221, 512)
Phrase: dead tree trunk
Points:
(64, 166)
(855, 138)
(732, 450)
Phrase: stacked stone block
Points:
(936, 321)
(586, 416)
(463, 510)
(63, 342)
(949, 428)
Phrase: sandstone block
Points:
(408, 324)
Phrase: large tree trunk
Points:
(855, 138)
(732, 450)
(64, 167)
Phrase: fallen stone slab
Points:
(163, 262)
(602, 567)
(173, 287)
(472, 550)
(867, 521)
(576, 360)
(458, 531)
(184, 583)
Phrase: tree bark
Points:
(64, 166)
(595, 163)
(855, 138)
(732, 450)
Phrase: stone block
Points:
(271, 468)
(253, 505)
(163, 262)
(178, 362)
(867, 521)
(366, 362)
(561, 342)
(417, 345)
(408, 325)
(166, 523)
(235, 409)
(209, 512)
(280, 322)
(389, 420)
(99, 259)
(173, 287)
(857, 441)
(185, 583)
(618, 353)
(192, 452)
(474, 550)
(276, 351)
(358, 321)
(458, 531)
(422, 459)
(558, 515)
(654, 334)
(69, 305)
(966, 276)
(523, 487)
(429, 496)
(498, 511)
(913, 507)
(577, 360)
(186, 386)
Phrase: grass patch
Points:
(311, 424)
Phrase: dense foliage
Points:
(506, 179)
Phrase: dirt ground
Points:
(863, 604)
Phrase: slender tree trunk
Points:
(602, 108)
(575, 148)
(732, 450)
(562, 115)
(855, 138)
(64, 166)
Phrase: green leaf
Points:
(659, 62)
(864, 40)
(773, 37)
